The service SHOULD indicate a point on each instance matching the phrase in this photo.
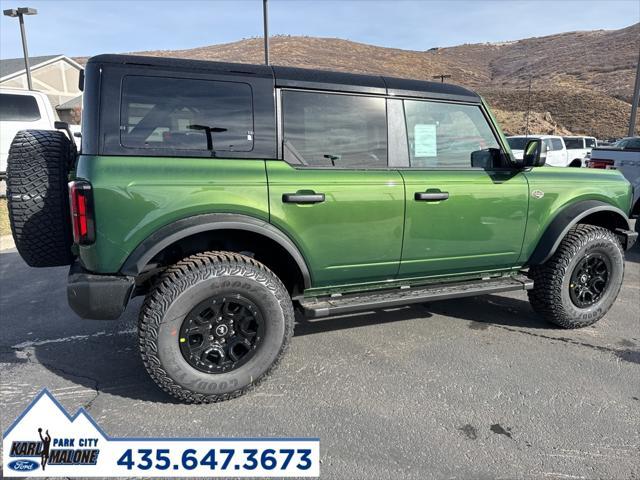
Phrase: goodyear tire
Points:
(215, 326)
(37, 170)
(578, 284)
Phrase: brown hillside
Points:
(581, 82)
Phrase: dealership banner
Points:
(45, 441)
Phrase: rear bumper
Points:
(627, 237)
(98, 297)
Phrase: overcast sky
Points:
(89, 27)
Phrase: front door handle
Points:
(430, 196)
(303, 198)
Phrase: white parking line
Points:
(72, 338)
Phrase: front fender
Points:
(608, 216)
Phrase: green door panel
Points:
(554, 188)
(355, 235)
(480, 227)
(134, 196)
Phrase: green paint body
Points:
(369, 233)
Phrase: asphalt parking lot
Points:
(471, 388)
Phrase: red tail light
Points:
(597, 163)
(81, 203)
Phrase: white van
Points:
(556, 149)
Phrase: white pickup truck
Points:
(624, 155)
(578, 149)
(21, 110)
(554, 145)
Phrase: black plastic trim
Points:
(627, 237)
(186, 227)
(563, 221)
(406, 87)
(397, 144)
(323, 307)
(97, 297)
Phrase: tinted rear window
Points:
(590, 142)
(573, 142)
(18, 108)
(183, 114)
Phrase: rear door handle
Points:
(430, 196)
(303, 198)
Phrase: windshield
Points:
(518, 143)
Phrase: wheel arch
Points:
(592, 212)
(209, 225)
(576, 163)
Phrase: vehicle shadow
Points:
(107, 362)
(480, 311)
(309, 326)
(43, 336)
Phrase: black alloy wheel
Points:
(589, 280)
(221, 333)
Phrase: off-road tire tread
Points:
(37, 193)
(181, 276)
(547, 278)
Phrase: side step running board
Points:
(324, 306)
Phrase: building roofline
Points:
(42, 64)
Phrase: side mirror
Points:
(488, 158)
(535, 153)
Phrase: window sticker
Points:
(425, 140)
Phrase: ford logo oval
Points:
(23, 465)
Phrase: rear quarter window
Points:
(18, 108)
(186, 114)
(573, 143)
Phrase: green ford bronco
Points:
(230, 194)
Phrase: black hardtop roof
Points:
(304, 77)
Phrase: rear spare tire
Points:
(37, 170)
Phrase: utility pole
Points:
(20, 13)
(636, 98)
(265, 18)
(526, 128)
(441, 77)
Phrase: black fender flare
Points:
(564, 220)
(185, 227)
